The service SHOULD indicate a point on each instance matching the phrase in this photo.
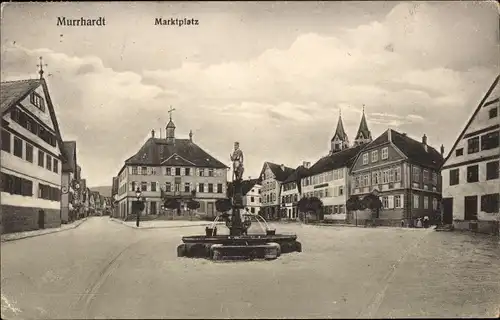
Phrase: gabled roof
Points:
(340, 132)
(70, 150)
(12, 92)
(246, 186)
(414, 150)
(280, 174)
(297, 174)
(155, 151)
(337, 160)
(483, 101)
(363, 130)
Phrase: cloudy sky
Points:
(272, 76)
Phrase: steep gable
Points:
(176, 160)
(478, 123)
(280, 173)
(33, 96)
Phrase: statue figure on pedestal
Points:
(237, 159)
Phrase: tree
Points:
(372, 202)
(171, 204)
(193, 205)
(353, 203)
(223, 205)
(311, 204)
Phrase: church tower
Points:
(170, 129)
(340, 141)
(364, 135)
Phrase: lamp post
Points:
(138, 194)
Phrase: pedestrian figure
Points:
(419, 223)
(426, 222)
(402, 223)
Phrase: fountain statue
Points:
(238, 244)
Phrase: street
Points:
(104, 269)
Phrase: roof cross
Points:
(170, 112)
(41, 65)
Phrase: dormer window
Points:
(365, 159)
(37, 101)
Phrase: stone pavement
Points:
(103, 270)
(155, 224)
(36, 233)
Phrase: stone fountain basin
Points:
(251, 246)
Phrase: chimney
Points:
(424, 142)
(442, 151)
(282, 167)
(191, 135)
(389, 134)
(152, 133)
(306, 164)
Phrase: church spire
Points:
(364, 135)
(340, 141)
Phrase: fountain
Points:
(238, 245)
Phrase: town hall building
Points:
(171, 168)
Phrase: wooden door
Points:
(41, 219)
(447, 210)
(470, 208)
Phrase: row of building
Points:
(411, 177)
(42, 184)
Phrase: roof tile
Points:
(13, 91)
(337, 160)
(156, 150)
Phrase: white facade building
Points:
(272, 176)
(171, 168)
(328, 180)
(252, 199)
(471, 184)
(291, 191)
(31, 157)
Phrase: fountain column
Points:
(237, 205)
(236, 228)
